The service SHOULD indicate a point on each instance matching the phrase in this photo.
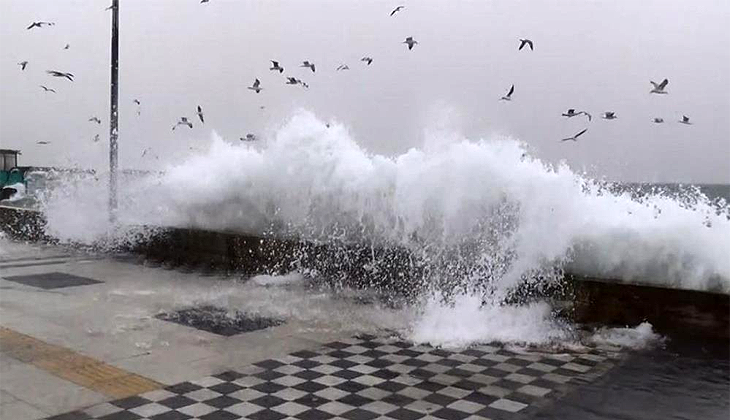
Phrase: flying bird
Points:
(343, 67)
(575, 137)
(571, 113)
(508, 97)
(411, 42)
(256, 86)
(658, 120)
(397, 9)
(204, 1)
(95, 119)
(659, 88)
(275, 66)
(39, 25)
(368, 60)
(136, 101)
(183, 121)
(23, 65)
(249, 137)
(200, 114)
(524, 42)
(308, 64)
(609, 115)
(48, 89)
(55, 73)
(67, 46)
(685, 120)
(43, 142)
(96, 138)
(291, 81)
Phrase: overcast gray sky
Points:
(176, 54)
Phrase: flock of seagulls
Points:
(658, 88)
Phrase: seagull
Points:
(411, 42)
(144, 152)
(685, 120)
(96, 138)
(136, 101)
(249, 137)
(291, 81)
(48, 89)
(368, 60)
(183, 121)
(508, 97)
(67, 46)
(95, 119)
(256, 87)
(23, 65)
(609, 115)
(39, 24)
(200, 114)
(43, 142)
(659, 88)
(658, 120)
(524, 42)
(571, 113)
(575, 137)
(343, 67)
(276, 66)
(204, 1)
(397, 9)
(55, 73)
(308, 64)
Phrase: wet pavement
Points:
(87, 336)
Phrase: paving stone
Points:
(363, 379)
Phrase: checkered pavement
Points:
(364, 378)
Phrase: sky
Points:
(176, 54)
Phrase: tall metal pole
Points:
(113, 119)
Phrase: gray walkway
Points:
(329, 358)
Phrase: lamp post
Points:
(114, 117)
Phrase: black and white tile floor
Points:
(365, 378)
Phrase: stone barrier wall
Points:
(601, 301)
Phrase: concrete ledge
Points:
(23, 224)
(670, 311)
(608, 302)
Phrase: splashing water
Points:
(482, 208)
(477, 218)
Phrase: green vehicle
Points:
(10, 173)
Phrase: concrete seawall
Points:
(600, 301)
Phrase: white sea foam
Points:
(467, 321)
(283, 280)
(485, 205)
(639, 337)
